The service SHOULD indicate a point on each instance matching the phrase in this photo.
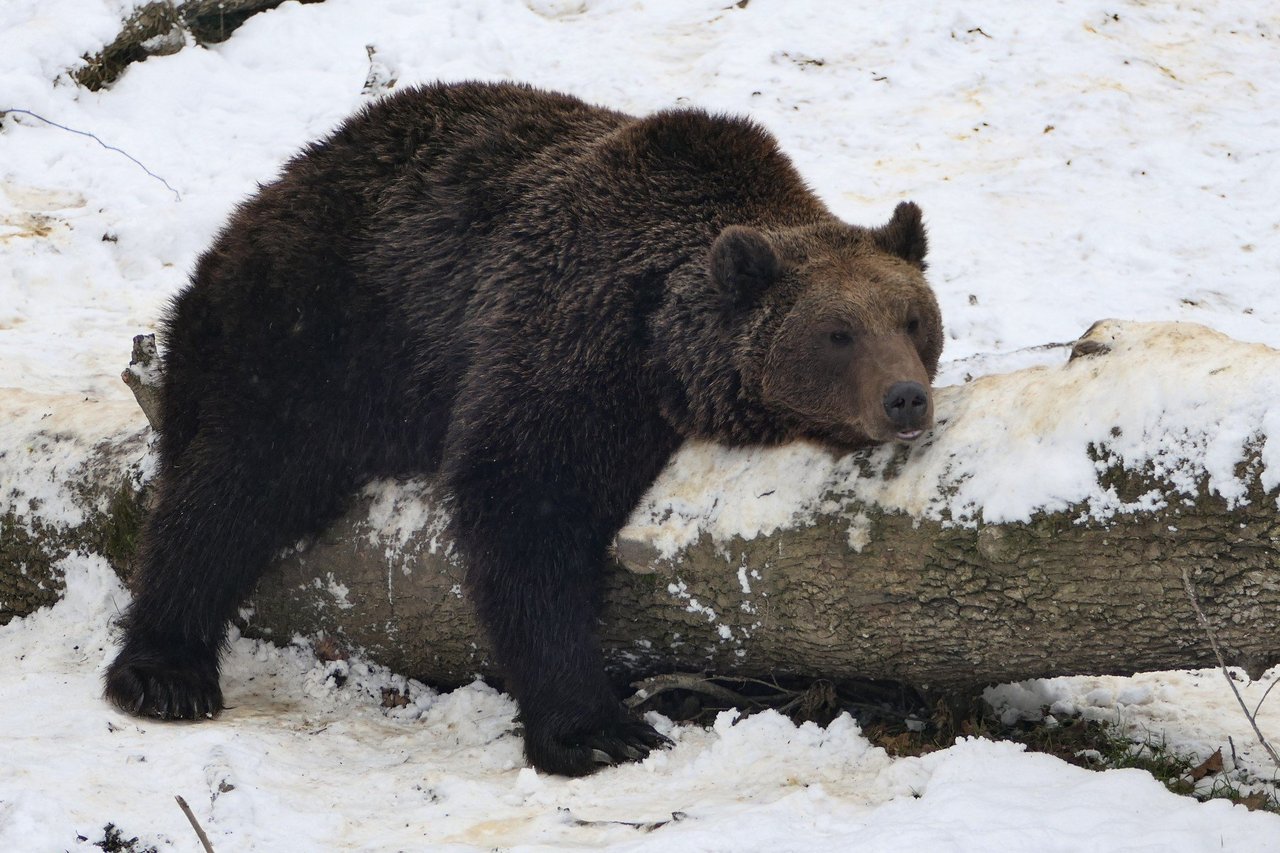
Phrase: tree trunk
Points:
(884, 572)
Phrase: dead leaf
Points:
(1253, 802)
(327, 649)
(1209, 767)
(393, 698)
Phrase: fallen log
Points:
(1044, 528)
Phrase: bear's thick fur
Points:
(540, 300)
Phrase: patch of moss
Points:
(30, 580)
(117, 537)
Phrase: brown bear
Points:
(539, 300)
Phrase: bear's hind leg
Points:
(222, 509)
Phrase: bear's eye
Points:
(841, 338)
(913, 326)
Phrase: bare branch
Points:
(143, 378)
(1222, 664)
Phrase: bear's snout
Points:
(907, 405)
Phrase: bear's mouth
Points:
(908, 434)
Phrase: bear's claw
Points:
(582, 754)
(163, 689)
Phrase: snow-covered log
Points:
(1046, 527)
(163, 27)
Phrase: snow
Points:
(1084, 162)
(298, 763)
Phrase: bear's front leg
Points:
(535, 580)
(539, 492)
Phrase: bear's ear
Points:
(904, 235)
(743, 265)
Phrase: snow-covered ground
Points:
(1075, 161)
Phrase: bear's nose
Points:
(906, 404)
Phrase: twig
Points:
(6, 111)
(643, 826)
(1266, 693)
(1213, 641)
(195, 824)
(650, 687)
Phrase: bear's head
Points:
(840, 332)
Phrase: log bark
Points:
(862, 586)
(945, 609)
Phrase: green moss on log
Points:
(30, 549)
(30, 579)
